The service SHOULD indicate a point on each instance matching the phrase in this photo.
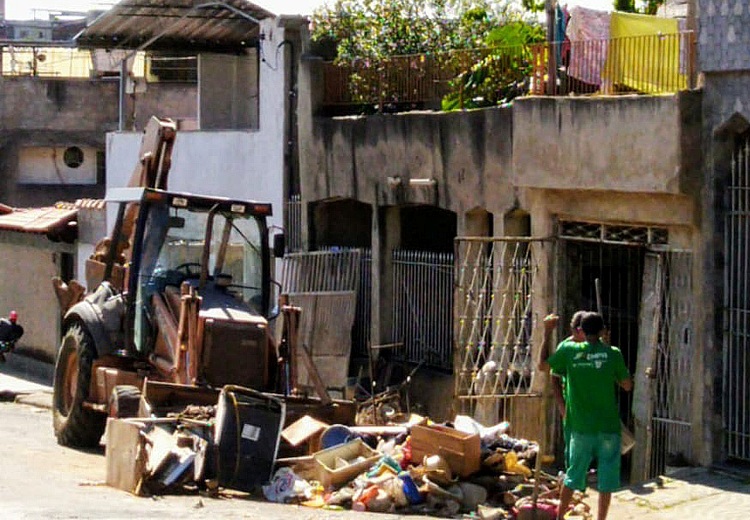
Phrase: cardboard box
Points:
(462, 451)
(338, 465)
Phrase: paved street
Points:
(43, 480)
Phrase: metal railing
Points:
(653, 64)
(294, 223)
(72, 63)
(416, 78)
(423, 306)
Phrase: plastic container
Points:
(338, 465)
(248, 433)
(410, 488)
(335, 435)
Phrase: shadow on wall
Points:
(431, 394)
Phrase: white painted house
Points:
(242, 142)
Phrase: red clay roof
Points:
(37, 220)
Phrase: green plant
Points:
(501, 74)
(382, 41)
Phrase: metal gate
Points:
(497, 282)
(736, 389)
(423, 306)
(647, 304)
(666, 353)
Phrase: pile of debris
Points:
(235, 439)
(419, 467)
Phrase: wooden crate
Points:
(462, 451)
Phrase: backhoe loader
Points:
(180, 292)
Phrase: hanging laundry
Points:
(644, 53)
(588, 32)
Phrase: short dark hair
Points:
(575, 321)
(592, 323)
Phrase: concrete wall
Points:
(626, 143)
(47, 113)
(178, 101)
(63, 105)
(226, 164)
(228, 91)
(372, 159)
(724, 35)
(28, 265)
(634, 160)
(726, 110)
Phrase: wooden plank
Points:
(651, 300)
(312, 373)
(325, 330)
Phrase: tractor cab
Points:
(197, 286)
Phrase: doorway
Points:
(614, 256)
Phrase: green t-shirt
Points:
(591, 371)
(561, 374)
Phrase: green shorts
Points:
(583, 448)
(566, 441)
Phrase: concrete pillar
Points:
(386, 236)
(309, 100)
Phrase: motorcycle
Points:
(10, 332)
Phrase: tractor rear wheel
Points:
(124, 401)
(75, 425)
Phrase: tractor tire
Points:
(75, 425)
(124, 401)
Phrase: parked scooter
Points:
(10, 332)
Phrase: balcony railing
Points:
(656, 64)
(73, 63)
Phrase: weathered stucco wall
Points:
(628, 143)
(178, 101)
(29, 262)
(72, 112)
(231, 164)
(726, 111)
(63, 105)
(467, 154)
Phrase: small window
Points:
(73, 157)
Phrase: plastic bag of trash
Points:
(285, 486)
(488, 434)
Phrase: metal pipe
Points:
(121, 95)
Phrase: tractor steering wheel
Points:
(186, 267)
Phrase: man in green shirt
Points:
(558, 382)
(592, 369)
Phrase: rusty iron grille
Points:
(363, 316)
(294, 224)
(669, 442)
(321, 271)
(614, 234)
(737, 305)
(423, 306)
(496, 283)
